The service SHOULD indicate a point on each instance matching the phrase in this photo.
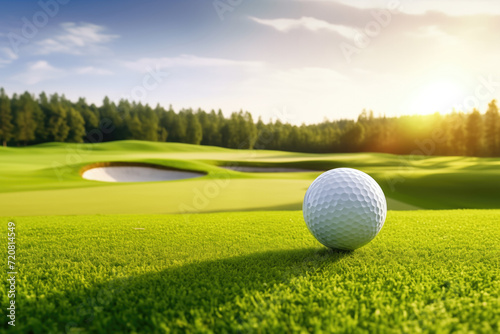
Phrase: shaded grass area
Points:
(45, 179)
(427, 271)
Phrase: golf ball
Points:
(344, 208)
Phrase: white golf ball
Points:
(344, 208)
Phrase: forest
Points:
(27, 119)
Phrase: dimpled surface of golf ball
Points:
(344, 208)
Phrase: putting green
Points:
(45, 179)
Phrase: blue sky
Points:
(298, 60)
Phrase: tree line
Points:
(26, 120)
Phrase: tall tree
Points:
(194, 132)
(90, 116)
(352, 138)
(214, 134)
(6, 126)
(250, 129)
(458, 139)
(149, 122)
(134, 126)
(25, 122)
(76, 125)
(492, 128)
(207, 125)
(178, 126)
(161, 114)
(39, 119)
(474, 127)
(111, 120)
(55, 117)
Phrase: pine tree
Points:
(168, 122)
(178, 127)
(39, 119)
(149, 122)
(474, 127)
(262, 134)
(250, 129)
(134, 126)
(55, 118)
(207, 126)
(458, 144)
(90, 116)
(76, 125)
(491, 131)
(215, 137)
(161, 114)
(353, 137)
(6, 126)
(194, 132)
(25, 118)
(114, 128)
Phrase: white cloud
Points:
(7, 56)
(9, 53)
(448, 7)
(308, 23)
(434, 32)
(42, 71)
(39, 71)
(90, 70)
(142, 64)
(77, 39)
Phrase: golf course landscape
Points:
(250, 167)
(228, 251)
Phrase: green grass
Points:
(45, 180)
(255, 272)
(88, 263)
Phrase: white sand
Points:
(265, 169)
(135, 174)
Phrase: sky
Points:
(300, 61)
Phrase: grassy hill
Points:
(45, 179)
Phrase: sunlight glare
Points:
(439, 96)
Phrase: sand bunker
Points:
(135, 173)
(248, 169)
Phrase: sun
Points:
(440, 96)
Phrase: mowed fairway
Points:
(45, 180)
(262, 272)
